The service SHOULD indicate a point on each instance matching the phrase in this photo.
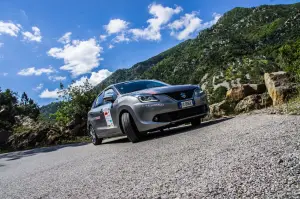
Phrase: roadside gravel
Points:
(251, 156)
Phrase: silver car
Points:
(135, 108)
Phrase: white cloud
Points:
(4, 74)
(121, 38)
(66, 38)
(1, 44)
(103, 37)
(116, 26)
(188, 24)
(95, 78)
(35, 36)
(216, 17)
(80, 57)
(161, 16)
(9, 28)
(39, 87)
(50, 94)
(37, 72)
(57, 78)
(111, 46)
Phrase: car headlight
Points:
(198, 92)
(147, 98)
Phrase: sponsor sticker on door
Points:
(108, 118)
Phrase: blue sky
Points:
(45, 42)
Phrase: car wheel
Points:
(196, 122)
(95, 139)
(129, 128)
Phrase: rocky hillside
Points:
(239, 49)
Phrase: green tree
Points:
(76, 102)
(28, 107)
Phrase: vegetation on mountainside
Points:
(289, 57)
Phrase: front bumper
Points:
(166, 112)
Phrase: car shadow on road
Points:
(21, 154)
(168, 132)
(118, 140)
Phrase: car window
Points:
(99, 100)
(129, 87)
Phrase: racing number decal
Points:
(108, 118)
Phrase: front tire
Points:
(95, 140)
(129, 128)
(196, 122)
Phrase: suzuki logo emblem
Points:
(183, 95)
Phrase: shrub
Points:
(218, 95)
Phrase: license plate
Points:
(186, 104)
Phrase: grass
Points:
(81, 139)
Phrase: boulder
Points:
(252, 102)
(222, 108)
(24, 121)
(279, 86)
(259, 88)
(238, 93)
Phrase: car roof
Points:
(138, 80)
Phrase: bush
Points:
(289, 57)
(218, 95)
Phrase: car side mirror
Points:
(109, 97)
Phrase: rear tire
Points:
(95, 140)
(196, 122)
(129, 128)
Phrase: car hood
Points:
(166, 89)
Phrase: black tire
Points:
(196, 122)
(95, 140)
(129, 128)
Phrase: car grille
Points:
(181, 95)
(181, 114)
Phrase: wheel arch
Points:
(125, 109)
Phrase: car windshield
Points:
(129, 87)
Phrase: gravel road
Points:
(247, 156)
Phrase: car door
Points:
(110, 114)
(96, 114)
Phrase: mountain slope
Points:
(238, 49)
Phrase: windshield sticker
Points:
(108, 118)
